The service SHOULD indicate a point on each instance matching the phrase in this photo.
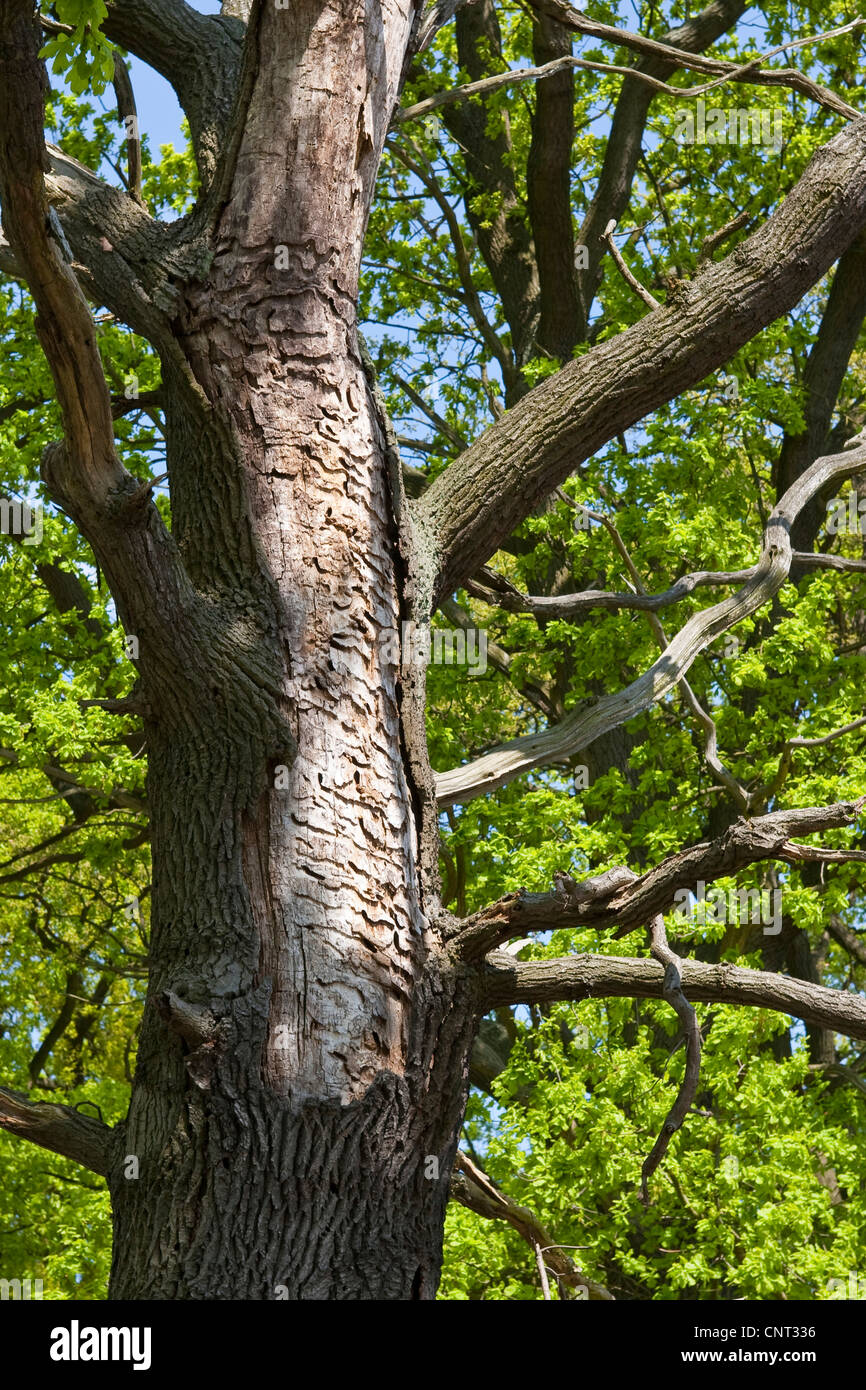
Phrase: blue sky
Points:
(159, 114)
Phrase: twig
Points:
(471, 1186)
(607, 236)
(713, 242)
(785, 760)
(452, 435)
(545, 1285)
(672, 990)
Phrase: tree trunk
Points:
(303, 1062)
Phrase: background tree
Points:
(317, 998)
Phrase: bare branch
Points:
(433, 416)
(470, 296)
(507, 981)
(672, 990)
(580, 728)
(499, 593)
(619, 899)
(738, 793)
(625, 142)
(749, 71)
(826, 738)
(787, 757)
(633, 284)
(485, 85)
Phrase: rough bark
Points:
(338, 1061)
(330, 1056)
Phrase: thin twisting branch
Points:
(748, 72)
(499, 593)
(631, 281)
(577, 730)
(673, 993)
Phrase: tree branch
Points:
(472, 1188)
(726, 71)
(83, 472)
(573, 978)
(126, 259)
(60, 1128)
(501, 228)
(476, 503)
(672, 989)
(127, 113)
(633, 283)
(619, 899)
(548, 194)
(431, 18)
(499, 593)
(582, 726)
(200, 55)
(823, 374)
(848, 939)
(64, 323)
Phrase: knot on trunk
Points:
(199, 1028)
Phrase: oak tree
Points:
(318, 996)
